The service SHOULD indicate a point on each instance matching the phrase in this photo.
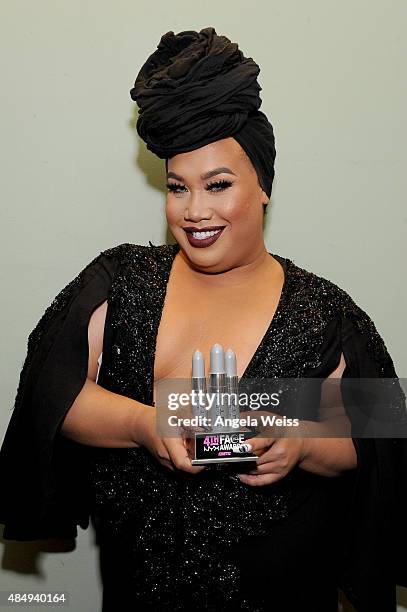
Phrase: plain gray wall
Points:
(76, 179)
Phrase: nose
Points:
(197, 208)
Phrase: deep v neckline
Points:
(166, 272)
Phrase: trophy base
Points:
(222, 447)
(223, 460)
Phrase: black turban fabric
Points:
(196, 88)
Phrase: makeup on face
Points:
(204, 237)
(201, 235)
(214, 196)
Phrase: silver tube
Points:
(220, 408)
(233, 390)
(200, 388)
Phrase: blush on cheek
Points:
(247, 208)
(238, 210)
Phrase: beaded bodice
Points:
(178, 519)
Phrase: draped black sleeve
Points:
(44, 480)
(376, 537)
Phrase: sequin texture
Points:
(177, 528)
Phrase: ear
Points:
(265, 198)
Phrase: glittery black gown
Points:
(175, 541)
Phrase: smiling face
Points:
(216, 186)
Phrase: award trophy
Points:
(216, 404)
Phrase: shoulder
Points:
(138, 263)
(128, 252)
(323, 295)
(320, 290)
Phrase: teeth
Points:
(202, 235)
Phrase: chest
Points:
(193, 320)
(155, 326)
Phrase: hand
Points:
(169, 451)
(277, 457)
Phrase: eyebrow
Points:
(206, 175)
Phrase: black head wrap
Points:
(198, 87)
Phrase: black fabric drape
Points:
(380, 502)
(43, 474)
(44, 480)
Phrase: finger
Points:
(260, 480)
(179, 455)
(279, 453)
(257, 444)
(162, 455)
(188, 431)
(271, 467)
(265, 427)
(167, 463)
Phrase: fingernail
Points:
(244, 448)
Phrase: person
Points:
(315, 513)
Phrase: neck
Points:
(258, 268)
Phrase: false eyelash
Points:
(174, 186)
(221, 184)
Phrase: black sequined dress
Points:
(178, 541)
